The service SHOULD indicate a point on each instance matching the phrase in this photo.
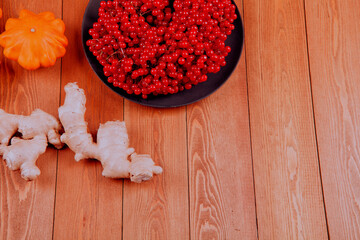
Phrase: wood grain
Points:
(25, 206)
(88, 206)
(289, 199)
(158, 209)
(334, 51)
(206, 190)
(222, 204)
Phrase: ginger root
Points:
(22, 154)
(38, 123)
(112, 147)
(36, 129)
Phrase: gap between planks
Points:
(313, 112)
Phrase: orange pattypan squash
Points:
(34, 40)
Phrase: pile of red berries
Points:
(147, 47)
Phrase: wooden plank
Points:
(87, 204)
(26, 208)
(287, 181)
(158, 209)
(334, 51)
(222, 204)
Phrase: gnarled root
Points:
(142, 168)
(112, 147)
(38, 123)
(8, 126)
(22, 154)
(36, 129)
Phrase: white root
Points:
(112, 147)
(36, 129)
(8, 126)
(22, 154)
(38, 123)
(71, 115)
(142, 168)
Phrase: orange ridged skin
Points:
(34, 40)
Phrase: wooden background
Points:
(274, 154)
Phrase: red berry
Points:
(181, 61)
(145, 47)
(188, 86)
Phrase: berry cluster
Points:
(146, 47)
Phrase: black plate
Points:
(202, 90)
